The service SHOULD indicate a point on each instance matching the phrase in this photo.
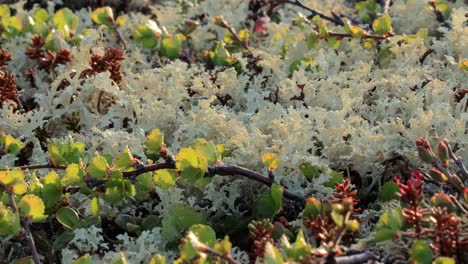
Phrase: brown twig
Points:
(228, 258)
(458, 160)
(335, 20)
(222, 23)
(365, 36)
(424, 56)
(25, 222)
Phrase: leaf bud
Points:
(442, 153)
(456, 182)
(424, 150)
(437, 175)
(442, 200)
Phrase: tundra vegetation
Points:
(222, 131)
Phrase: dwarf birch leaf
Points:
(103, 16)
(12, 145)
(205, 234)
(269, 203)
(220, 56)
(388, 191)
(271, 161)
(382, 25)
(421, 253)
(154, 141)
(9, 221)
(272, 255)
(124, 160)
(97, 168)
(191, 165)
(86, 259)
(206, 149)
(73, 175)
(388, 225)
(444, 260)
(67, 217)
(158, 259)
(41, 15)
(147, 34)
(32, 206)
(180, 216)
(164, 178)
(171, 46)
(94, 205)
(66, 21)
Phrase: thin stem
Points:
(458, 160)
(35, 255)
(365, 36)
(25, 222)
(37, 166)
(233, 32)
(215, 253)
(335, 20)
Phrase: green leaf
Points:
(124, 160)
(94, 206)
(180, 217)
(271, 161)
(310, 171)
(144, 182)
(269, 203)
(355, 31)
(385, 55)
(67, 217)
(9, 221)
(335, 177)
(205, 149)
(421, 253)
(121, 21)
(14, 179)
(66, 21)
(11, 145)
(41, 15)
(388, 225)
(147, 34)
(158, 259)
(154, 142)
(299, 250)
(52, 189)
(98, 167)
(337, 214)
(171, 46)
(205, 234)
(115, 188)
(191, 165)
(164, 178)
(12, 26)
(312, 40)
(32, 206)
(444, 260)
(312, 208)
(86, 259)
(272, 255)
(333, 42)
(388, 191)
(224, 246)
(73, 175)
(103, 16)
(352, 225)
(4, 12)
(220, 56)
(382, 25)
(443, 7)
(65, 153)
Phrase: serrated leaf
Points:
(9, 221)
(421, 253)
(124, 160)
(66, 21)
(67, 217)
(97, 168)
(269, 203)
(12, 26)
(154, 142)
(180, 216)
(32, 206)
(52, 189)
(388, 191)
(271, 161)
(310, 171)
(206, 149)
(94, 206)
(144, 182)
(191, 165)
(73, 175)
(164, 178)
(171, 46)
(115, 191)
(147, 34)
(65, 153)
(388, 225)
(205, 234)
(103, 16)
(41, 15)
(333, 42)
(11, 145)
(382, 25)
